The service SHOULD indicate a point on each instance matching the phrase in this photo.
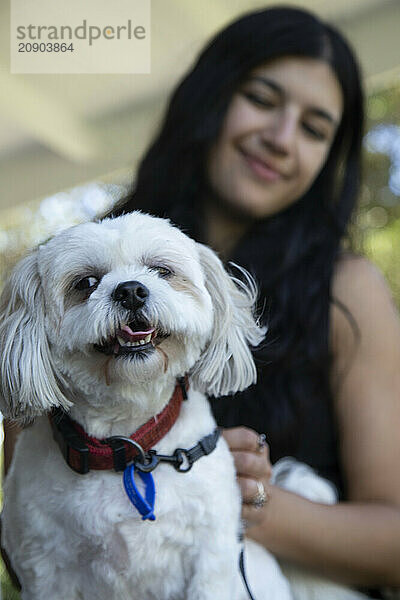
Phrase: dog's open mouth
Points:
(137, 337)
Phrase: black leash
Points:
(242, 569)
(243, 574)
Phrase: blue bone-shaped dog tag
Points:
(144, 505)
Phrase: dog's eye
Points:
(87, 284)
(162, 271)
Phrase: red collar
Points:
(83, 452)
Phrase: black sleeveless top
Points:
(316, 443)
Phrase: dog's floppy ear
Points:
(227, 366)
(29, 385)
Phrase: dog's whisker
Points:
(164, 357)
(59, 324)
(106, 370)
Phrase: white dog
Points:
(100, 323)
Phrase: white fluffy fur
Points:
(78, 537)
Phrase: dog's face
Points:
(121, 303)
(127, 293)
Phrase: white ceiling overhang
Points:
(60, 130)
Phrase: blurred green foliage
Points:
(377, 227)
(8, 591)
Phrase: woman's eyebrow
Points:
(268, 82)
(320, 112)
(315, 110)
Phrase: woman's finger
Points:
(244, 438)
(249, 489)
(252, 465)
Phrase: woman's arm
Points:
(358, 544)
(358, 541)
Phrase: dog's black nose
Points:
(131, 294)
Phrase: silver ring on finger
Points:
(261, 442)
(261, 497)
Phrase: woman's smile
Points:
(261, 167)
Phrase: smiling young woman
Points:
(259, 156)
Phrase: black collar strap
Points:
(182, 460)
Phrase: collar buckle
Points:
(70, 442)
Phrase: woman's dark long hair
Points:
(293, 253)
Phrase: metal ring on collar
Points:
(143, 455)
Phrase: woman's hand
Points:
(251, 455)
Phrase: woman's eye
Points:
(87, 284)
(313, 132)
(162, 271)
(259, 100)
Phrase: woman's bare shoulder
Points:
(353, 275)
(365, 343)
(364, 320)
(362, 299)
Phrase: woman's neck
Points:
(222, 231)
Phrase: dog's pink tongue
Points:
(134, 336)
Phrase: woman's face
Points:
(276, 136)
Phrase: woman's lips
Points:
(261, 169)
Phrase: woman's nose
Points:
(280, 135)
